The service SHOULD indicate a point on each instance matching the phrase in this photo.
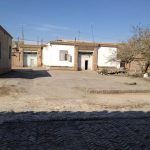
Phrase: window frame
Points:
(65, 57)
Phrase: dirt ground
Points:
(55, 110)
(41, 90)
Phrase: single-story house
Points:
(26, 55)
(79, 55)
(5, 50)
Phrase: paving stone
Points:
(107, 134)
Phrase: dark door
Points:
(86, 65)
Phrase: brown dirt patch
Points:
(8, 90)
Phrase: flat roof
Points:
(5, 31)
(30, 46)
(83, 43)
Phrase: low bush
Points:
(104, 71)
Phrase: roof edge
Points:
(88, 43)
(6, 31)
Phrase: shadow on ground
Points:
(75, 130)
(26, 74)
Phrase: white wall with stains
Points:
(105, 56)
(51, 55)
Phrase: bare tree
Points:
(138, 46)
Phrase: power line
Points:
(86, 35)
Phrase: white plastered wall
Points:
(105, 56)
(51, 53)
(83, 58)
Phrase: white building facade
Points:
(107, 57)
(53, 55)
(78, 55)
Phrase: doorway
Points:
(85, 61)
(30, 59)
(86, 64)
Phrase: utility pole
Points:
(79, 35)
(37, 40)
(22, 34)
(41, 42)
(18, 41)
(92, 33)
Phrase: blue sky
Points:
(109, 20)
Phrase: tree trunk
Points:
(141, 67)
(147, 64)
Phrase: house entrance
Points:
(30, 59)
(85, 61)
(86, 65)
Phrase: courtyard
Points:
(47, 109)
(43, 90)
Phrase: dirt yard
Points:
(56, 110)
(41, 90)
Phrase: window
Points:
(69, 58)
(9, 52)
(0, 50)
(63, 55)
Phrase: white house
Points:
(79, 55)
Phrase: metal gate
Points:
(30, 59)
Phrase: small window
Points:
(69, 58)
(63, 55)
(9, 52)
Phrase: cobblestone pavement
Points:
(99, 134)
